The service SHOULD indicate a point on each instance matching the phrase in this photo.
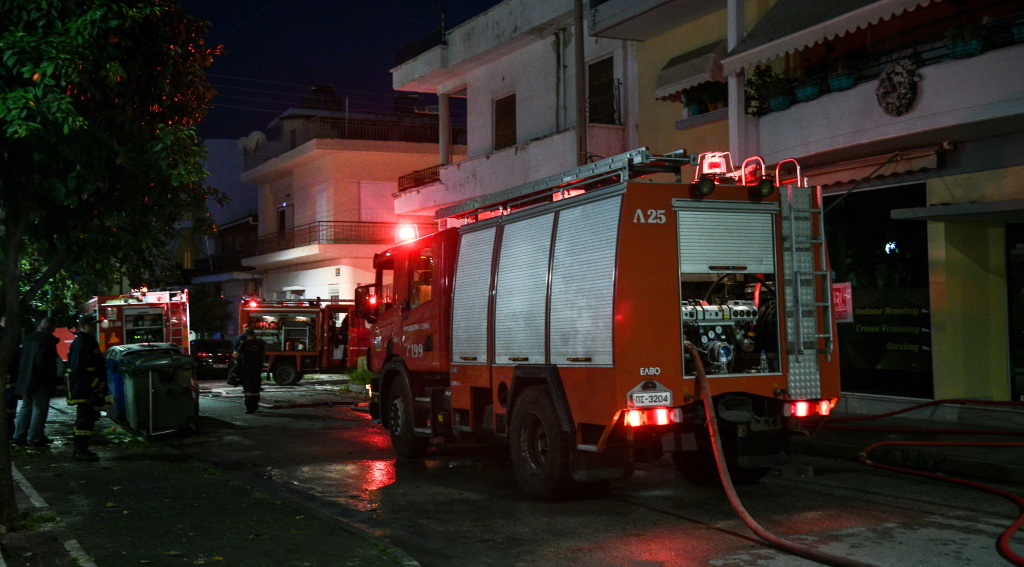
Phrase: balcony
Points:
(419, 178)
(509, 167)
(320, 127)
(643, 19)
(335, 232)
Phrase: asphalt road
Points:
(461, 505)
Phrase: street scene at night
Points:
(512, 282)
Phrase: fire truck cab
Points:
(303, 336)
(556, 317)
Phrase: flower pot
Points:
(780, 102)
(841, 83)
(1018, 33)
(694, 109)
(969, 48)
(807, 92)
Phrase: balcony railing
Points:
(351, 129)
(1003, 28)
(419, 178)
(336, 232)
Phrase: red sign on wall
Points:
(842, 301)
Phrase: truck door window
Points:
(386, 283)
(421, 269)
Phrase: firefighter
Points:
(250, 368)
(87, 384)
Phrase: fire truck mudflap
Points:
(557, 319)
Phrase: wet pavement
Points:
(311, 480)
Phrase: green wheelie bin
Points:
(161, 393)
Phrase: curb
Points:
(72, 546)
(304, 405)
(935, 461)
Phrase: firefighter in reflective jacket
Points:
(87, 382)
(250, 368)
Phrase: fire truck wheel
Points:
(400, 425)
(540, 450)
(284, 374)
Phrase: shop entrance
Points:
(885, 347)
(1015, 304)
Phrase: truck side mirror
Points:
(367, 302)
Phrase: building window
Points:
(601, 93)
(505, 122)
(285, 218)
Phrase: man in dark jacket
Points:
(87, 380)
(250, 368)
(37, 383)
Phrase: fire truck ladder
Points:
(605, 173)
(808, 288)
(811, 281)
(177, 311)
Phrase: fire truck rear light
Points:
(824, 407)
(661, 416)
(634, 418)
(800, 409)
(651, 416)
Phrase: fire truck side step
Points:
(463, 428)
(424, 431)
(425, 400)
(590, 448)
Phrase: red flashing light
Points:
(407, 232)
(373, 301)
(715, 165)
(252, 304)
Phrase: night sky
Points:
(276, 49)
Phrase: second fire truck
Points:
(141, 316)
(305, 335)
(558, 317)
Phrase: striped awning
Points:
(689, 69)
(791, 25)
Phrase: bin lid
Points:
(158, 362)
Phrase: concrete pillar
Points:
(741, 126)
(444, 130)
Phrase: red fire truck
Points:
(306, 335)
(556, 317)
(141, 316)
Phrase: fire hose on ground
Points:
(730, 491)
(1003, 542)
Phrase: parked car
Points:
(213, 357)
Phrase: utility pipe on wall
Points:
(581, 88)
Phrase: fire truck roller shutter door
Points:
(471, 296)
(521, 291)
(583, 283)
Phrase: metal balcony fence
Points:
(419, 178)
(336, 232)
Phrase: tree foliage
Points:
(99, 159)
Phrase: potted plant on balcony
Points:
(706, 97)
(841, 78)
(964, 41)
(767, 90)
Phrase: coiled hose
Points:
(730, 491)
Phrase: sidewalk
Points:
(146, 504)
(847, 439)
